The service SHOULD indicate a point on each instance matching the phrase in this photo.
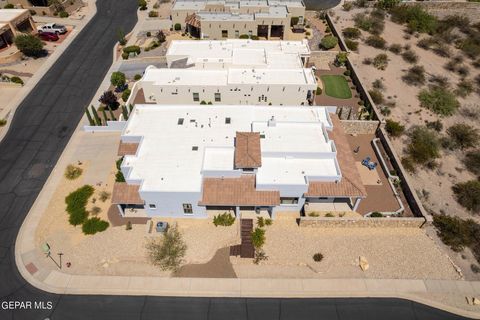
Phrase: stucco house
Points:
(186, 161)
(12, 23)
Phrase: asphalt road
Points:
(41, 128)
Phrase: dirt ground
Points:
(391, 253)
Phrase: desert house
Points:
(12, 23)
(213, 19)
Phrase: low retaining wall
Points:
(112, 126)
(15, 56)
(314, 222)
(9, 85)
(360, 126)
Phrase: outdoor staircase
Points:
(245, 249)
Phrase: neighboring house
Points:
(221, 19)
(12, 23)
(183, 161)
(241, 72)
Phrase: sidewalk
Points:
(10, 109)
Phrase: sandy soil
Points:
(391, 253)
(408, 111)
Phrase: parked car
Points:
(52, 27)
(48, 36)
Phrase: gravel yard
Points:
(391, 253)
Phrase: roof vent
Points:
(195, 148)
(180, 121)
(228, 120)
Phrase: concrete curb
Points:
(17, 100)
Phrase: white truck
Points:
(52, 28)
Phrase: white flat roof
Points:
(7, 15)
(171, 156)
(200, 4)
(212, 16)
(223, 77)
(240, 52)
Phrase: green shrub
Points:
(380, 61)
(314, 214)
(470, 47)
(351, 33)
(76, 203)
(317, 257)
(268, 222)
(329, 215)
(455, 232)
(153, 14)
(16, 79)
(119, 175)
(132, 49)
(126, 94)
(137, 77)
(318, 91)
(128, 225)
(394, 128)
(439, 100)
(464, 88)
(387, 4)
(167, 253)
(260, 222)
(424, 146)
(341, 59)
(177, 26)
(225, 219)
(408, 164)
(370, 23)
(472, 161)
(376, 214)
(376, 42)
(415, 76)
(463, 136)
(118, 79)
(3, 122)
(72, 172)
(63, 14)
(9, 6)
(29, 45)
(125, 56)
(142, 4)
(258, 237)
(94, 225)
(328, 42)
(351, 45)
(467, 195)
(376, 95)
(254, 37)
(244, 36)
(416, 18)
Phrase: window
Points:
(288, 200)
(152, 206)
(224, 33)
(218, 97)
(237, 34)
(180, 121)
(187, 208)
(196, 96)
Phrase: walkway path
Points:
(218, 267)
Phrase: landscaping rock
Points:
(363, 263)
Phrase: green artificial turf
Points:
(336, 86)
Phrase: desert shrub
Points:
(314, 214)
(439, 100)
(463, 70)
(16, 79)
(104, 196)
(328, 42)
(409, 56)
(225, 219)
(464, 88)
(132, 49)
(475, 268)
(167, 252)
(372, 23)
(415, 17)
(376, 214)
(367, 61)
(467, 195)
(3, 122)
(177, 26)
(408, 164)
(258, 237)
(260, 222)
(376, 95)
(29, 45)
(436, 125)
(454, 232)
(72, 172)
(463, 136)
(260, 255)
(317, 257)
(118, 79)
(268, 222)
(394, 128)
(472, 161)
(76, 202)
(423, 147)
(376, 42)
(95, 210)
(415, 76)
(153, 14)
(9, 6)
(395, 48)
(142, 4)
(329, 215)
(351, 45)
(318, 91)
(351, 33)
(378, 84)
(137, 77)
(63, 14)
(380, 61)
(341, 59)
(470, 47)
(440, 81)
(425, 43)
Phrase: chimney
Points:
(272, 122)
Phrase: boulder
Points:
(363, 263)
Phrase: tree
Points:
(167, 252)
(463, 136)
(109, 99)
(161, 36)
(29, 45)
(341, 58)
(98, 122)
(424, 146)
(439, 100)
(394, 128)
(472, 161)
(467, 195)
(328, 42)
(94, 225)
(118, 79)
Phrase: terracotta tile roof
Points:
(124, 193)
(127, 148)
(193, 20)
(351, 184)
(236, 191)
(247, 150)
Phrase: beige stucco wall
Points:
(314, 222)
